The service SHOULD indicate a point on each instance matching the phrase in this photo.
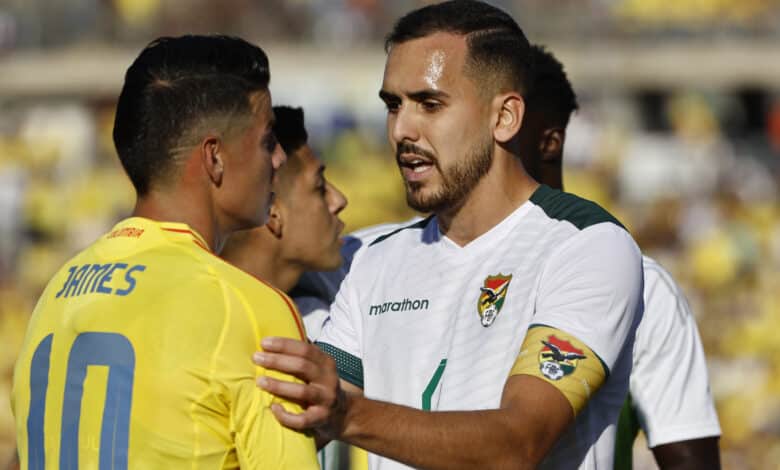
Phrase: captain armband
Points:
(562, 360)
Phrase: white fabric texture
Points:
(410, 301)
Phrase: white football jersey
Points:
(408, 324)
(316, 290)
(669, 386)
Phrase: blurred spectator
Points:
(693, 171)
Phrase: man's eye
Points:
(429, 105)
(392, 106)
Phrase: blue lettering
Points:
(71, 270)
(100, 270)
(74, 283)
(130, 279)
(85, 279)
(107, 278)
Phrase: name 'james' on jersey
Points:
(138, 355)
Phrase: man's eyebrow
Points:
(428, 94)
(387, 96)
(418, 96)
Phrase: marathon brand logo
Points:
(101, 279)
(401, 306)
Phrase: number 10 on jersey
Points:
(89, 349)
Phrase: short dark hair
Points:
(496, 44)
(552, 97)
(289, 128)
(174, 87)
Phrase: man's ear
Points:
(212, 151)
(551, 144)
(511, 109)
(275, 222)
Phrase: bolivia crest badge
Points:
(491, 298)
(558, 358)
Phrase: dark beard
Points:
(457, 182)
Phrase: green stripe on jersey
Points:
(419, 224)
(564, 206)
(350, 367)
(627, 430)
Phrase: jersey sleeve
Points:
(260, 440)
(587, 307)
(340, 335)
(669, 383)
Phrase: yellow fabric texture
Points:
(193, 322)
(562, 361)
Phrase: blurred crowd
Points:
(693, 173)
(54, 23)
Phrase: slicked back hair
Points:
(552, 97)
(175, 90)
(498, 51)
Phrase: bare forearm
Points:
(689, 455)
(438, 440)
(532, 415)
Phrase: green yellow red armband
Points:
(563, 361)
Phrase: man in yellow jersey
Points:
(302, 233)
(137, 353)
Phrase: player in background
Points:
(470, 340)
(136, 353)
(303, 229)
(669, 394)
(669, 389)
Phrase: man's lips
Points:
(414, 167)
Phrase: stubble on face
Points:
(457, 181)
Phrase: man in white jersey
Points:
(669, 389)
(669, 396)
(510, 312)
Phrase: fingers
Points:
(300, 393)
(319, 393)
(300, 367)
(309, 419)
(299, 359)
(291, 346)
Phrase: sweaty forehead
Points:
(432, 62)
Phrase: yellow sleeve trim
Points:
(562, 361)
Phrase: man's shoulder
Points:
(567, 207)
(253, 287)
(657, 276)
(666, 307)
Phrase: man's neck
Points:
(262, 258)
(194, 212)
(505, 188)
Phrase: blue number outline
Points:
(91, 348)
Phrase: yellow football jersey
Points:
(138, 355)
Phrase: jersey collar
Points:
(177, 231)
